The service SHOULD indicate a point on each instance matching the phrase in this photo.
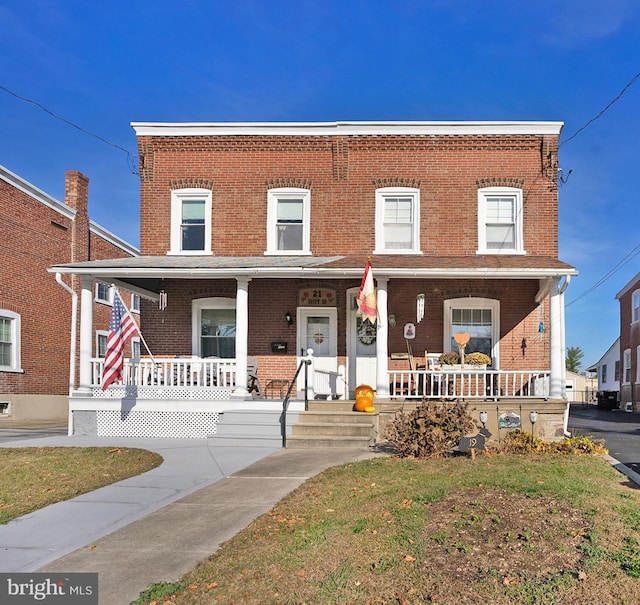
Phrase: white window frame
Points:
(178, 196)
(135, 344)
(101, 334)
(273, 197)
(512, 192)
(197, 307)
(635, 306)
(101, 299)
(135, 303)
(16, 345)
(638, 364)
(626, 367)
(382, 195)
(474, 303)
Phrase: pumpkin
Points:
(370, 409)
(364, 390)
(362, 403)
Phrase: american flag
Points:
(121, 329)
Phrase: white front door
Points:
(318, 330)
(361, 347)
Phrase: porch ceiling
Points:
(144, 271)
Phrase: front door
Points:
(361, 347)
(318, 330)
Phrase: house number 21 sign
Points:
(317, 297)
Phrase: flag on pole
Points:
(366, 299)
(121, 329)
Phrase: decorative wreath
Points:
(367, 333)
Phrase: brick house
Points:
(629, 299)
(38, 231)
(254, 238)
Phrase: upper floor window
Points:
(104, 293)
(9, 340)
(500, 221)
(635, 306)
(190, 221)
(288, 221)
(397, 220)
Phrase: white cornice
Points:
(184, 129)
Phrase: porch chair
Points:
(253, 382)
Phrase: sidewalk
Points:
(159, 525)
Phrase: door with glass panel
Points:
(361, 347)
(317, 330)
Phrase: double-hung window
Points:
(104, 293)
(480, 317)
(190, 221)
(214, 327)
(635, 306)
(626, 360)
(397, 220)
(288, 221)
(500, 221)
(9, 341)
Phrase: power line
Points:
(609, 274)
(131, 160)
(592, 120)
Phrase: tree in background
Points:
(574, 359)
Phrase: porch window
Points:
(190, 221)
(288, 216)
(214, 327)
(101, 343)
(104, 294)
(480, 318)
(397, 220)
(9, 340)
(500, 221)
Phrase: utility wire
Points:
(631, 255)
(592, 120)
(130, 158)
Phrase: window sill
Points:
(501, 252)
(398, 252)
(287, 253)
(11, 370)
(190, 253)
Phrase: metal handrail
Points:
(285, 403)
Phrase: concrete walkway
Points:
(159, 525)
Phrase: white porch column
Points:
(556, 342)
(242, 336)
(382, 365)
(86, 335)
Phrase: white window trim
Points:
(474, 303)
(104, 301)
(273, 196)
(638, 364)
(381, 195)
(132, 308)
(177, 197)
(99, 333)
(635, 311)
(626, 367)
(196, 308)
(482, 221)
(16, 362)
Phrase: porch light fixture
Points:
(533, 416)
(392, 320)
(289, 318)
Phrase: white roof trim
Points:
(113, 239)
(177, 129)
(631, 285)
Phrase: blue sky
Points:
(103, 65)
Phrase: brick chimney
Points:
(76, 196)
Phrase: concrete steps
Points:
(254, 428)
(336, 426)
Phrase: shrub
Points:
(519, 442)
(449, 359)
(432, 430)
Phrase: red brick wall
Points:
(629, 339)
(36, 237)
(447, 169)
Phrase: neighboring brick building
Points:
(629, 298)
(37, 231)
(244, 226)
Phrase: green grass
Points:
(505, 529)
(32, 478)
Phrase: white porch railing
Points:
(469, 384)
(173, 372)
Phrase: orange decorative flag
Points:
(366, 299)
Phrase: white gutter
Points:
(564, 286)
(72, 347)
